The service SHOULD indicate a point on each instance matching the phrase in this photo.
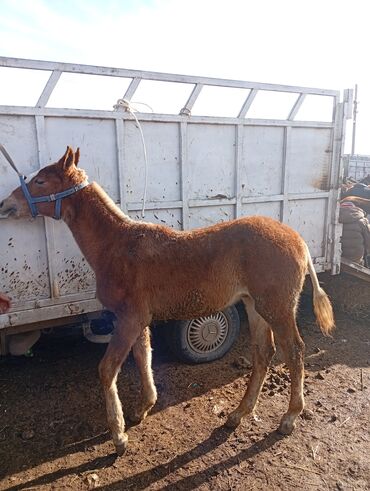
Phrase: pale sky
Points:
(315, 43)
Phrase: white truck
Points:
(224, 149)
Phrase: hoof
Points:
(136, 418)
(139, 417)
(233, 421)
(286, 427)
(121, 446)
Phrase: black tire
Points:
(206, 338)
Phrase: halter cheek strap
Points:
(32, 201)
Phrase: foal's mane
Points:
(105, 203)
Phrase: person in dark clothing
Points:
(356, 232)
(362, 203)
(359, 189)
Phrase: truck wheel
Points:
(204, 339)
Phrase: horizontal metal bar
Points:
(47, 302)
(280, 197)
(154, 205)
(262, 199)
(172, 205)
(195, 203)
(318, 195)
(192, 203)
(158, 76)
(164, 118)
(211, 202)
(47, 313)
(355, 269)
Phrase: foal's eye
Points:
(39, 181)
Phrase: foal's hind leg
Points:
(292, 348)
(263, 350)
(143, 357)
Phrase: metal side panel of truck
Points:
(201, 170)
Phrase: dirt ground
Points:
(53, 429)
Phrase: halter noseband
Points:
(32, 201)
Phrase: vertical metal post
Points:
(48, 223)
(336, 177)
(120, 136)
(333, 179)
(184, 174)
(238, 165)
(285, 175)
(354, 122)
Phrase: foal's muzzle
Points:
(7, 207)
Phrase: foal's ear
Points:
(68, 158)
(77, 156)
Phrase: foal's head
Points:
(49, 181)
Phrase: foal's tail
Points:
(321, 303)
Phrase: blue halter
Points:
(32, 201)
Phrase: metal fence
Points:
(357, 166)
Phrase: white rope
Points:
(127, 106)
(135, 103)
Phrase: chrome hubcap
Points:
(206, 334)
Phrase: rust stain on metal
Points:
(56, 291)
(23, 282)
(323, 181)
(76, 276)
(73, 308)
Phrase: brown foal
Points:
(146, 272)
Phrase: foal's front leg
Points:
(142, 352)
(125, 335)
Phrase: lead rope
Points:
(9, 159)
(125, 104)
